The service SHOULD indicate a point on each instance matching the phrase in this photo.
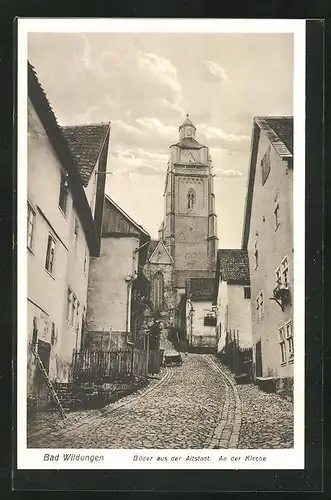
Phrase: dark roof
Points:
(283, 127)
(151, 247)
(189, 143)
(201, 288)
(47, 117)
(233, 265)
(182, 276)
(85, 143)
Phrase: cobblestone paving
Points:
(181, 411)
(267, 419)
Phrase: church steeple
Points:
(187, 129)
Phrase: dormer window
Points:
(191, 199)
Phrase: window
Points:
(289, 340)
(69, 302)
(53, 335)
(256, 255)
(247, 292)
(276, 214)
(77, 314)
(265, 166)
(31, 222)
(209, 320)
(76, 229)
(73, 309)
(278, 276)
(285, 271)
(191, 199)
(50, 255)
(63, 198)
(286, 342)
(85, 263)
(259, 306)
(158, 291)
(282, 344)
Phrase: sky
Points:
(144, 84)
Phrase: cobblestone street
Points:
(181, 410)
(196, 405)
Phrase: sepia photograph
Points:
(165, 222)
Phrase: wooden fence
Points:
(107, 366)
(237, 359)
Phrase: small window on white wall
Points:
(191, 199)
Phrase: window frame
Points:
(282, 344)
(210, 320)
(76, 231)
(259, 304)
(276, 214)
(191, 199)
(52, 239)
(285, 271)
(256, 254)
(290, 340)
(63, 194)
(247, 292)
(265, 166)
(30, 224)
(69, 303)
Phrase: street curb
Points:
(232, 441)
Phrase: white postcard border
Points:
(124, 459)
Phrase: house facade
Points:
(233, 298)
(62, 235)
(200, 315)
(268, 239)
(116, 280)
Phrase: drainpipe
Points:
(129, 280)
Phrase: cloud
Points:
(216, 138)
(105, 81)
(214, 72)
(137, 161)
(232, 174)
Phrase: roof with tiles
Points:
(283, 127)
(60, 145)
(201, 288)
(182, 276)
(280, 132)
(233, 265)
(85, 143)
(189, 142)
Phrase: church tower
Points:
(189, 229)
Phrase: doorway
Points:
(258, 359)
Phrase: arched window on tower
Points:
(191, 199)
(158, 291)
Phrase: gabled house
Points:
(62, 235)
(200, 315)
(268, 239)
(116, 281)
(233, 298)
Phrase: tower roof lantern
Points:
(187, 122)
